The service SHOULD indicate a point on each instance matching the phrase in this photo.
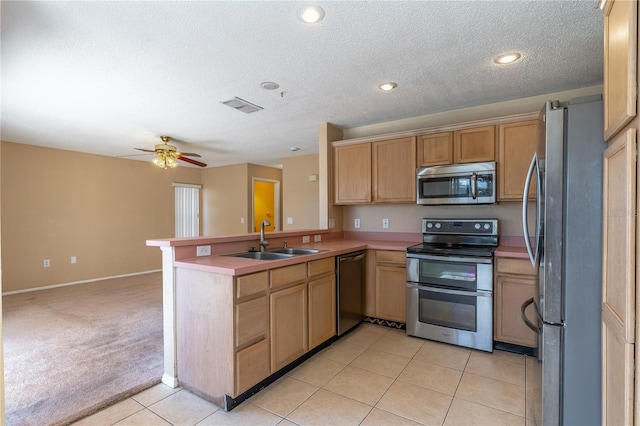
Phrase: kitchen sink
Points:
(294, 251)
(261, 255)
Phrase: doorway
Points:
(266, 203)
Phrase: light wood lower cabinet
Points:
(386, 285)
(288, 325)
(515, 282)
(233, 332)
(322, 310)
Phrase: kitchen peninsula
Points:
(231, 325)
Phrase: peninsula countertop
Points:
(228, 265)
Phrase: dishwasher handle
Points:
(351, 258)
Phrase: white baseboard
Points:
(79, 282)
(170, 381)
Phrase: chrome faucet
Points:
(263, 243)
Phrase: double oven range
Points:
(450, 282)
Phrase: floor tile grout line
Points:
(489, 406)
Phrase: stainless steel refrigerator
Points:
(567, 249)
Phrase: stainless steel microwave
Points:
(470, 183)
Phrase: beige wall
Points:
(224, 200)
(301, 196)
(57, 204)
(227, 197)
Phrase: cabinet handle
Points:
(474, 185)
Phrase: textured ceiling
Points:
(105, 77)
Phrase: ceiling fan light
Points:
(160, 161)
(171, 162)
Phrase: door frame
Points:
(276, 201)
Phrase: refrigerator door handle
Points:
(528, 323)
(525, 203)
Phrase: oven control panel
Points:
(461, 226)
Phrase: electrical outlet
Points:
(73, 259)
(289, 221)
(242, 220)
(356, 223)
(203, 251)
(385, 223)
(306, 239)
(332, 223)
(46, 263)
(317, 238)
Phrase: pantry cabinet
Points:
(517, 142)
(376, 172)
(515, 282)
(386, 285)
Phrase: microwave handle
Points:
(525, 220)
(474, 185)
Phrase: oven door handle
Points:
(474, 185)
(448, 291)
(450, 258)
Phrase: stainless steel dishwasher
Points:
(350, 290)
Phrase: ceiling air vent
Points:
(242, 105)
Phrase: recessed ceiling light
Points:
(387, 86)
(311, 14)
(507, 58)
(269, 85)
(294, 148)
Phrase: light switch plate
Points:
(317, 238)
(306, 239)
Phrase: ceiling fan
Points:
(166, 155)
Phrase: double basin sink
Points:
(274, 254)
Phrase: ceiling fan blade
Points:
(189, 160)
(190, 154)
(145, 150)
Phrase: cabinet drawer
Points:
(389, 256)
(251, 321)
(252, 365)
(288, 274)
(317, 267)
(247, 285)
(505, 265)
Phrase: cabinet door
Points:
(620, 56)
(619, 278)
(510, 293)
(391, 293)
(475, 145)
(435, 150)
(288, 325)
(322, 310)
(516, 145)
(394, 171)
(352, 173)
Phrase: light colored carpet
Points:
(71, 351)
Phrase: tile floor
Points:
(373, 376)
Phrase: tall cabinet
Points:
(620, 388)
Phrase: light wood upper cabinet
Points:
(435, 149)
(515, 282)
(517, 142)
(474, 145)
(379, 172)
(620, 61)
(394, 177)
(352, 173)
